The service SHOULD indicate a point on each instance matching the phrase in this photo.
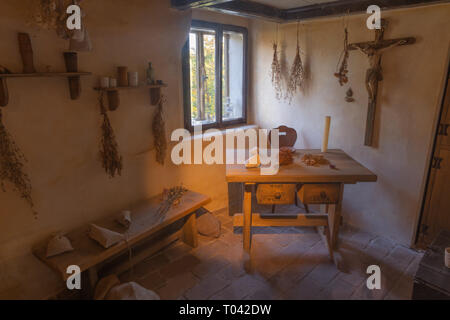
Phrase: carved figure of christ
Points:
(374, 51)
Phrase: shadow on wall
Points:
(60, 137)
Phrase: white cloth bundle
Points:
(109, 288)
(58, 245)
(104, 237)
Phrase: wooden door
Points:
(444, 126)
(436, 209)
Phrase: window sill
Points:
(222, 131)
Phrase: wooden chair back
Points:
(288, 136)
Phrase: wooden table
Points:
(319, 185)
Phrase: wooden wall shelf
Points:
(114, 99)
(157, 85)
(152, 86)
(44, 74)
(74, 82)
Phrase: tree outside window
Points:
(215, 76)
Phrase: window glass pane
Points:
(209, 78)
(232, 75)
(203, 76)
(194, 74)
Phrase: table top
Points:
(347, 170)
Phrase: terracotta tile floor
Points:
(289, 263)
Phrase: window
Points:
(215, 75)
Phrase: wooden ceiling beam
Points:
(190, 4)
(252, 9)
(348, 6)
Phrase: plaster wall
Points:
(408, 104)
(60, 137)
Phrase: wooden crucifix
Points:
(374, 50)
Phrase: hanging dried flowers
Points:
(297, 76)
(276, 70)
(159, 133)
(12, 164)
(111, 160)
(341, 74)
(51, 15)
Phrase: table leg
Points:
(334, 218)
(325, 233)
(235, 192)
(247, 231)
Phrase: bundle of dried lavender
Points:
(276, 72)
(51, 15)
(171, 197)
(297, 76)
(341, 74)
(12, 165)
(159, 133)
(111, 160)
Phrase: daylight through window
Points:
(216, 79)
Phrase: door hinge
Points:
(436, 163)
(443, 128)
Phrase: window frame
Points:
(219, 29)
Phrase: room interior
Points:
(87, 149)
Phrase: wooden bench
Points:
(89, 255)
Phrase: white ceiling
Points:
(289, 4)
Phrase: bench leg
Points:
(89, 279)
(190, 235)
(93, 278)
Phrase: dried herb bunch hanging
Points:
(276, 70)
(12, 164)
(341, 74)
(111, 160)
(51, 15)
(159, 133)
(297, 76)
